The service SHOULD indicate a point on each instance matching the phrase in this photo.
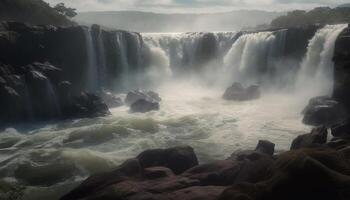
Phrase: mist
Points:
(157, 22)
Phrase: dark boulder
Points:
(178, 159)
(342, 69)
(304, 174)
(86, 105)
(341, 130)
(318, 136)
(136, 95)
(324, 111)
(238, 93)
(111, 100)
(266, 147)
(143, 106)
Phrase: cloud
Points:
(193, 5)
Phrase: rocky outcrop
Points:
(133, 96)
(310, 172)
(317, 137)
(342, 68)
(36, 92)
(324, 111)
(238, 93)
(44, 70)
(144, 106)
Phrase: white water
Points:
(192, 113)
(92, 70)
(315, 77)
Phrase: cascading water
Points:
(315, 77)
(101, 55)
(52, 97)
(253, 57)
(190, 54)
(92, 69)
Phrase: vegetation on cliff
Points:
(33, 12)
(321, 15)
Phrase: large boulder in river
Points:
(324, 111)
(111, 100)
(86, 105)
(136, 95)
(143, 106)
(238, 93)
(178, 159)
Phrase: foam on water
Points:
(52, 158)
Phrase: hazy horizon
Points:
(194, 6)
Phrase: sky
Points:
(196, 6)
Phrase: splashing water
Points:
(51, 159)
(315, 77)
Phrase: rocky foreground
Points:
(314, 168)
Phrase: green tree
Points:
(66, 11)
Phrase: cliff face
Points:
(44, 70)
(342, 68)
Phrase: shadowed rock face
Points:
(44, 70)
(324, 111)
(342, 68)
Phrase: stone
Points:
(178, 159)
(324, 111)
(238, 93)
(318, 136)
(136, 95)
(143, 106)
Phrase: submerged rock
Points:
(133, 96)
(324, 111)
(111, 100)
(143, 106)
(238, 93)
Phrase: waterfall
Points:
(53, 100)
(92, 69)
(122, 59)
(188, 52)
(101, 58)
(315, 77)
(254, 57)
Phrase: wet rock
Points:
(341, 130)
(238, 93)
(97, 183)
(342, 69)
(178, 159)
(324, 111)
(318, 136)
(111, 100)
(86, 105)
(266, 147)
(158, 172)
(149, 96)
(197, 192)
(303, 174)
(143, 106)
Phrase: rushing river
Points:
(51, 158)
